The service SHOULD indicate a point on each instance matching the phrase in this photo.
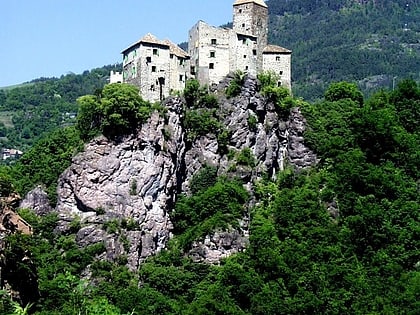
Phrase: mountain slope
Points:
(373, 43)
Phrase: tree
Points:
(343, 90)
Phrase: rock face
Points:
(121, 193)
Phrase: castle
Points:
(160, 67)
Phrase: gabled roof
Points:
(259, 2)
(274, 49)
(149, 39)
(175, 49)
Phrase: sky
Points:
(50, 38)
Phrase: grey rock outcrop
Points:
(120, 194)
(37, 200)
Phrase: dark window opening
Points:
(213, 41)
(278, 58)
(153, 68)
(192, 70)
(212, 54)
(148, 59)
(244, 56)
(155, 51)
(211, 65)
(281, 72)
(181, 78)
(254, 52)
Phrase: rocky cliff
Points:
(122, 193)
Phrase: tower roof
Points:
(259, 2)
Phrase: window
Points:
(244, 41)
(181, 61)
(155, 52)
(213, 41)
(244, 56)
(181, 78)
(240, 10)
(192, 70)
(211, 65)
(246, 68)
(254, 52)
(243, 25)
(148, 59)
(281, 72)
(212, 54)
(279, 84)
(278, 58)
(153, 68)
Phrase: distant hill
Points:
(33, 108)
(374, 43)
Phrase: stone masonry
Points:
(159, 68)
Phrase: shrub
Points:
(235, 86)
(246, 158)
(203, 179)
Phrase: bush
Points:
(246, 158)
(119, 110)
(235, 86)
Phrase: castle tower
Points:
(250, 18)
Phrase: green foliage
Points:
(119, 110)
(34, 109)
(203, 179)
(344, 90)
(246, 158)
(351, 41)
(199, 122)
(6, 186)
(215, 207)
(235, 85)
(133, 187)
(197, 96)
(279, 95)
(45, 161)
(252, 122)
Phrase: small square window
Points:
(212, 54)
(155, 51)
(240, 10)
(244, 41)
(278, 58)
(213, 41)
(148, 59)
(244, 56)
(181, 78)
(281, 72)
(153, 68)
(211, 65)
(254, 52)
(243, 25)
(246, 68)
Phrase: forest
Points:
(372, 43)
(338, 238)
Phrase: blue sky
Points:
(46, 38)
